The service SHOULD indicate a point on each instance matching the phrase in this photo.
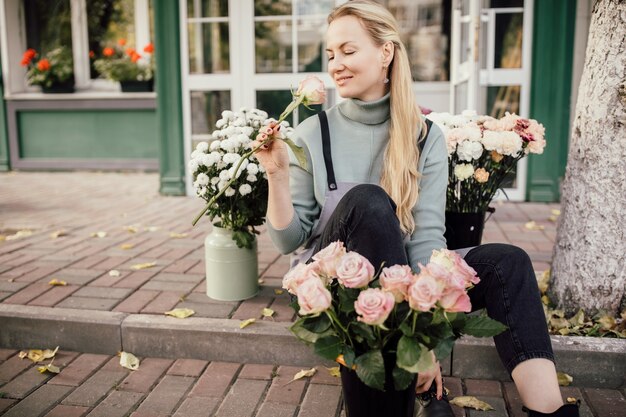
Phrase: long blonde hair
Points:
(400, 175)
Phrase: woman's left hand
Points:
(425, 379)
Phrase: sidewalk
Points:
(98, 314)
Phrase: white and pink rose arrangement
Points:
(356, 315)
(482, 151)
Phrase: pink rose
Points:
(455, 265)
(299, 274)
(354, 271)
(329, 258)
(313, 90)
(455, 300)
(313, 297)
(396, 279)
(373, 306)
(425, 291)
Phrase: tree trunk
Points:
(589, 269)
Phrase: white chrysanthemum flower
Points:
(215, 180)
(251, 178)
(207, 160)
(239, 122)
(229, 131)
(215, 145)
(245, 189)
(511, 143)
(463, 171)
(247, 130)
(224, 175)
(227, 114)
(261, 168)
(202, 179)
(221, 185)
(230, 191)
(252, 168)
(192, 166)
(202, 147)
(231, 172)
(220, 123)
(230, 158)
(195, 154)
(468, 150)
(202, 191)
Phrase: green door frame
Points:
(169, 101)
(553, 50)
(4, 137)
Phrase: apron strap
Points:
(421, 144)
(328, 161)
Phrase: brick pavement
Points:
(96, 385)
(138, 223)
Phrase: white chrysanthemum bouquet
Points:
(226, 172)
(482, 150)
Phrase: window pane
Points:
(273, 46)
(108, 21)
(305, 7)
(272, 7)
(508, 49)
(48, 25)
(501, 99)
(208, 48)
(274, 102)
(311, 46)
(207, 8)
(206, 109)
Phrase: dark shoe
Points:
(428, 405)
(567, 410)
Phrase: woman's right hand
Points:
(272, 154)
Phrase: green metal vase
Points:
(232, 273)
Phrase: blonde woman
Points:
(376, 180)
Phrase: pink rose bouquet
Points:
(358, 316)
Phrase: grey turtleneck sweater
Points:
(358, 136)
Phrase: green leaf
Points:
(401, 378)
(413, 356)
(483, 326)
(444, 348)
(363, 330)
(370, 368)
(347, 297)
(317, 324)
(305, 335)
(405, 328)
(348, 356)
(297, 151)
(328, 347)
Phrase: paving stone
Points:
(79, 370)
(134, 279)
(181, 266)
(77, 276)
(215, 380)
(28, 293)
(215, 310)
(188, 367)
(146, 376)
(107, 280)
(38, 402)
(284, 391)
(7, 353)
(276, 410)
(242, 399)
(320, 400)
(606, 402)
(197, 407)
(162, 302)
(181, 287)
(173, 277)
(39, 273)
(166, 395)
(483, 387)
(89, 261)
(67, 411)
(5, 294)
(282, 309)
(323, 376)
(5, 403)
(11, 286)
(147, 414)
(95, 388)
(499, 407)
(575, 392)
(257, 371)
(103, 292)
(111, 262)
(12, 367)
(88, 303)
(117, 404)
(136, 301)
(54, 296)
(251, 308)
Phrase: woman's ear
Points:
(388, 49)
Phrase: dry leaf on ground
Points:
(114, 273)
(131, 229)
(564, 379)
(58, 233)
(268, 312)
(38, 355)
(99, 234)
(532, 225)
(303, 373)
(49, 368)
(556, 212)
(278, 292)
(146, 265)
(55, 281)
(261, 281)
(126, 246)
(246, 323)
(180, 313)
(571, 400)
(471, 402)
(334, 371)
(19, 234)
(129, 361)
(151, 228)
(178, 235)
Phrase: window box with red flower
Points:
(54, 72)
(134, 71)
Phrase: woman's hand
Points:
(272, 154)
(425, 379)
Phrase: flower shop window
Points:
(208, 31)
(206, 108)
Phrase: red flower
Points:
(43, 65)
(121, 42)
(130, 51)
(149, 48)
(28, 56)
(108, 52)
(92, 54)
(135, 57)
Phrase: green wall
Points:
(4, 141)
(553, 50)
(100, 134)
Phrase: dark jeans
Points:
(365, 221)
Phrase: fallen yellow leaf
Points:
(544, 281)
(180, 313)
(129, 361)
(3, 238)
(114, 273)
(607, 322)
(278, 292)
(131, 229)
(553, 218)
(556, 212)
(532, 225)
(151, 228)
(178, 235)
(304, 373)
(471, 402)
(545, 300)
(49, 368)
(38, 355)
(127, 246)
(246, 323)
(564, 379)
(146, 265)
(58, 233)
(268, 312)
(334, 371)
(99, 234)
(571, 400)
(22, 354)
(19, 234)
(55, 281)
(261, 281)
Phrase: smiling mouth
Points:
(342, 80)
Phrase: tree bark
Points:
(588, 269)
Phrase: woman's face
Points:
(355, 63)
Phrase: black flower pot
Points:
(464, 230)
(363, 401)
(64, 87)
(137, 86)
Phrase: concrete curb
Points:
(596, 362)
